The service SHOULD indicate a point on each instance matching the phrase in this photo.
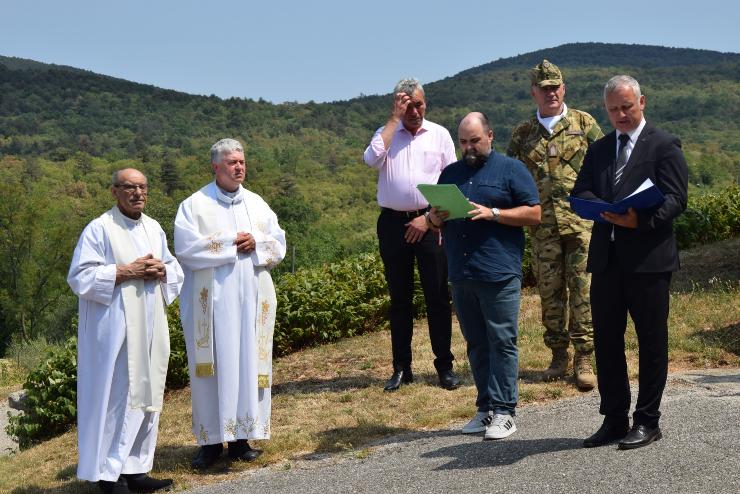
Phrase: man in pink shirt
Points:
(410, 150)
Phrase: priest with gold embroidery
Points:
(123, 274)
(227, 239)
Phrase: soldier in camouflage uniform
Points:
(552, 144)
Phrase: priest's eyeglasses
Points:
(130, 188)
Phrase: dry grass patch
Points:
(329, 399)
(12, 376)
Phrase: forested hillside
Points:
(63, 131)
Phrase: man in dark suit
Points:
(631, 257)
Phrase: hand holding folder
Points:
(645, 196)
(447, 197)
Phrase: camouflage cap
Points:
(546, 74)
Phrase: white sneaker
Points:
(501, 426)
(479, 423)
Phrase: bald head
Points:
(476, 138)
(130, 189)
(476, 116)
(121, 176)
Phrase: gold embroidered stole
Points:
(202, 295)
(205, 214)
(265, 325)
(147, 371)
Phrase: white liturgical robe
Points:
(228, 404)
(113, 437)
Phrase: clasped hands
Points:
(147, 268)
(245, 242)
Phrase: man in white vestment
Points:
(227, 239)
(123, 274)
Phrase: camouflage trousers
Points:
(559, 264)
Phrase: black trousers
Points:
(398, 258)
(644, 296)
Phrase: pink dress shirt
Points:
(411, 160)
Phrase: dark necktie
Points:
(621, 157)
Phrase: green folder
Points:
(447, 197)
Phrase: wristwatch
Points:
(496, 213)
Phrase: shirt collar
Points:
(550, 122)
(229, 197)
(130, 222)
(423, 127)
(634, 133)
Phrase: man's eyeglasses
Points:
(130, 188)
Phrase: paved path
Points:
(700, 453)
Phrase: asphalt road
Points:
(699, 453)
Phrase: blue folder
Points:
(645, 196)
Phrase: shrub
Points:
(52, 397)
(177, 370)
(334, 301)
(709, 218)
(28, 355)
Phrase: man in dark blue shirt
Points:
(484, 256)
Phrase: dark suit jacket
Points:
(651, 247)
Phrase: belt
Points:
(404, 214)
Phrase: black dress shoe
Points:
(400, 376)
(207, 455)
(639, 436)
(607, 433)
(141, 482)
(448, 379)
(117, 487)
(241, 450)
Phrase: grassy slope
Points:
(329, 399)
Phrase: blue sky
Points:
(330, 50)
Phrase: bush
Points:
(709, 218)
(28, 355)
(338, 300)
(52, 398)
(177, 370)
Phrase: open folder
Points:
(645, 196)
(447, 197)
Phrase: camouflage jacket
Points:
(554, 161)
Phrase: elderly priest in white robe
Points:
(227, 239)
(123, 274)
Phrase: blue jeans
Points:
(488, 313)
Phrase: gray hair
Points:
(622, 81)
(225, 146)
(116, 178)
(408, 86)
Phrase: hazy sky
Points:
(330, 50)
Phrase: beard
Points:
(474, 158)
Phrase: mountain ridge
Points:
(567, 54)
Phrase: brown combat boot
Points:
(559, 365)
(585, 379)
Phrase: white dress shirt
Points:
(410, 160)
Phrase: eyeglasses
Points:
(130, 188)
